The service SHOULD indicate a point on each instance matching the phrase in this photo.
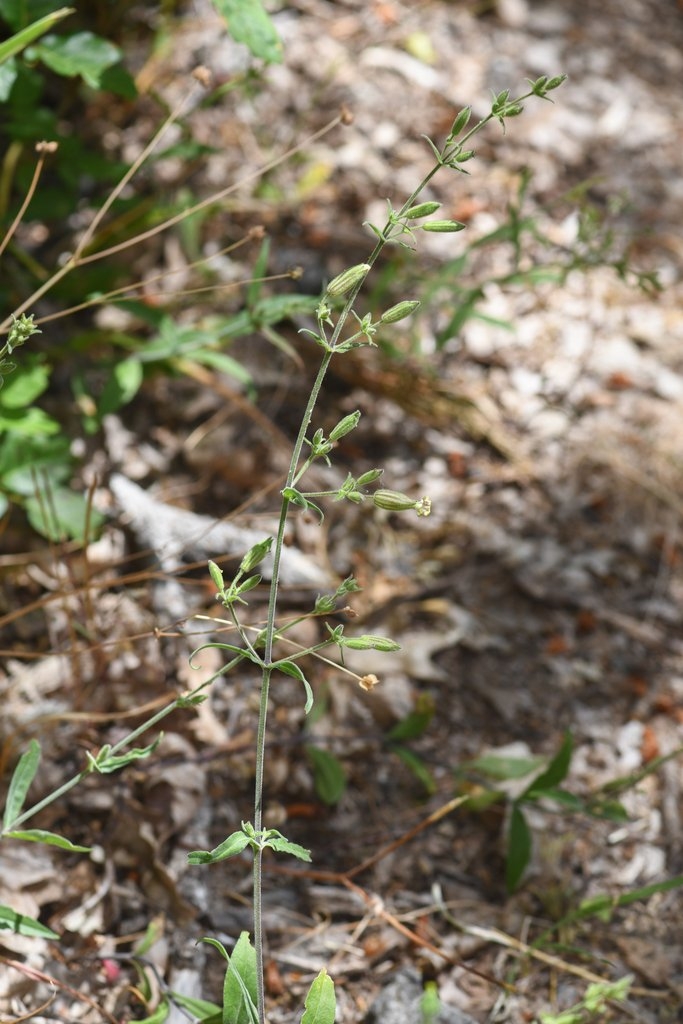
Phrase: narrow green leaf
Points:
(106, 763)
(519, 849)
(23, 776)
(159, 1015)
(329, 777)
(217, 944)
(39, 835)
(10, 920)
(206, 1012)
(290, 668)
(556, 771)
(417, 767)
(16, 43)
(239, 986)
(321, 1002)
(248, 23)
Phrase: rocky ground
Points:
(543, 597)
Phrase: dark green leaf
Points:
(556, 771)
(519, 849)
(417, 767)
(329, 776)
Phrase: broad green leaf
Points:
(58, 513)
(230, 847)
(519, 849)
(321, 1002)
(556, 771)
(248, 23)
(21, 458)
(23, 387)
(329, 776)
(39, 835)
(11, 921)
(16, 43)
(82, 53)
(23, 776)
(28, 423)
(239, 986)
(122, 386)
(290, 668)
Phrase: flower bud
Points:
(461, 120)
(421, 210)
(255, 555)
(368, 642)
(217, 577)
(399, 312)
(344, 426)
(396, 501)
(344, 282)
(443, 225)
(369, 477)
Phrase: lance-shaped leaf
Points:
(24, 774)
(10, 920)
(39, 835)
(290, 668)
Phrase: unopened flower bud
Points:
(443, 225)
(344, 426)
(461, 120)
(399, 312)
(368, 642)
(421, 210)
(396, 501)
(256, 555)
(344, 282)
(369, 477)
